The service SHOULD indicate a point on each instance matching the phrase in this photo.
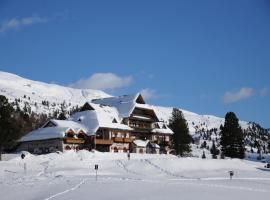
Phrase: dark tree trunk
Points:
(1, 150)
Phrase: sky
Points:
(209, 57)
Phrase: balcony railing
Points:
(124, 140)
(104, 141)
(141, 126)
(69, 140)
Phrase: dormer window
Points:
(70, 133)
(114, 121)
(49, 124)
(81, 135)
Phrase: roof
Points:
(124, 104)
(68, 124)
(141, 143)
(100, 117)
(163, 128)
(45, 133)
(57, 131)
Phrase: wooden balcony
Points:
(69, 140)
(128, 140)
(104, 141)
(124, 140)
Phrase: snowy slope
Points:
(195, 121)
(34, 92)
(150, 177)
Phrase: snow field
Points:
(71, 175)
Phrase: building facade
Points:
(115, 124)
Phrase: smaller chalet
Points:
(140, 146)
(55, 135)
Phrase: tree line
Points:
(15, 122)
(231, 137)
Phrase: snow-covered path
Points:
(72, 176)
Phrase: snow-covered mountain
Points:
(39, 97)
(47, 98)
(195, 121)
(43, 97)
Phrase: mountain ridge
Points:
(47, 98)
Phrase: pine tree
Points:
(62, 116)
(8, 127)
(232, 137)
(214, 151)
(181, 136)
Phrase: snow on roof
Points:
(124, 104)
(70, 124)
(141, 143)
(100, 117)
(163, 131)
(88, 119)
(141, 117)
(163, 128)
(45, 133)
(57, 131)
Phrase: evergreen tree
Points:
(62, 116)
(232, 137)
(214, 151)
(8, 128)
(181, 136)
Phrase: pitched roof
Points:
(162, 128)
(124, 104)
(141, 143)
(45, 133)
(68, 124)
(57, 131)
(144, 143)
(100, 117)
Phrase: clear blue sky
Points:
(209, 57)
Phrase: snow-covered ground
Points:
(72, 176)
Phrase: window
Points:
(68, 147)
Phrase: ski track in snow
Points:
(143, 171)
(163, 170)
(122, 165)
(66, 191)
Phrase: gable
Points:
(140, 99)
(49, 124)
(145, 113)
(86, 107)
